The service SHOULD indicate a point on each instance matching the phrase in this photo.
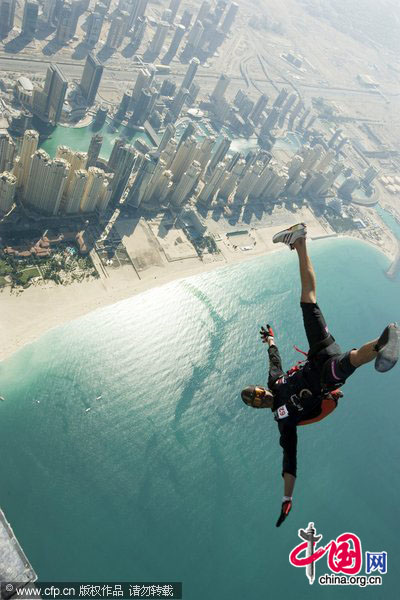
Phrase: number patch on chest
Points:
(282, 412)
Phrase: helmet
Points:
(256, 395)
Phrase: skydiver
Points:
(309, 392)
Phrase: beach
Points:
(28, 314)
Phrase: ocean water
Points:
(170, 477)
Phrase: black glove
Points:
(265, 333)
(286, 508)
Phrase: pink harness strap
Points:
(299, 362)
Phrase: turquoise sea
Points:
(170, 477)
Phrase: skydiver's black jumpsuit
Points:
(298, 396)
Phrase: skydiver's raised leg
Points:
(307, 273)
(384, 350)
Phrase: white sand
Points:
(26, 315)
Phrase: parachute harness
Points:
(296, 367)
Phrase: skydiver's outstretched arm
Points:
(288, 441)
(288, 487)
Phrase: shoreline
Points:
(27, 315)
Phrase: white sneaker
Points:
(290, 235)
(388, 347)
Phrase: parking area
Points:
(112, 253)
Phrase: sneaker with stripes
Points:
(290, 235)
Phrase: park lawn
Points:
(5, 268)
(26, 275)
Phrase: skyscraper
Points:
(142, 108)
(168, 88)
(189, 131)
(270, 121)
(186, 184)
(93, 189)
(94, 150)
(183, 158)
(280, 99)
(137, 11)
(259, 108)
(118, 29)
(65, 153)
(55, 88)
(218, 12)
(29, 147)
(190, 73)
(232, 178)
(124, 105)
(326, 160)
(174, 7)
(195, 34)
(370, 175)
(8, 185)
(48, 102)
(67, 22)
(168, 134)
(159, 38)
(158, 186)
(75, 192)
(7, 152)
(29, 19)
(7, 13)
(46, 182)
(91, 77)
(122, 171)
(178, 102)
(204, 11)
(186, 18)
(94, 29)
(145, 169)
(175, 43)
(221, 87)
(230, 17)
(334, 138)
(116, 154)
(209, 190)
(168, 154)
(143, 80)
(219, 153)
(105, 195)
(75, 160)
(138, 32)
(51, 11)
(203, 153)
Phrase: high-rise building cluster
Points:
(190, 172)
(158, 103)
(204, 32)
(50, 102)
(69, 183)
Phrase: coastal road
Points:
(114, 74)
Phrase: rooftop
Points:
(14, 566)
(26, 83)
